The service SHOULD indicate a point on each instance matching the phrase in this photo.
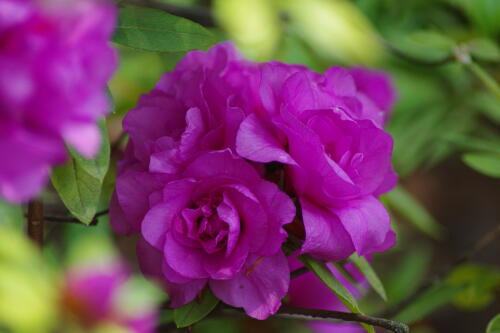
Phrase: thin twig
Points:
(486, 79)
(479, 245)
(292, 312)
(200, 15)
(35, 221)
(71, 219)
(167, 327)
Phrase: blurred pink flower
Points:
(91, 296)
(55, 60)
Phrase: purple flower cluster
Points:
(55, 60)
(210, 144)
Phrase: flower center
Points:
(204, 226)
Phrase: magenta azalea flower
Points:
(337, 157)
(197, 107)
(92, 296)
(54, 63)
(219, 224)
(208, 218)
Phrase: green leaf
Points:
(155, 30)
(402, 202)
(96, 167)
(407, 274)
(78, 190)
(322, 271)
(488, 105)
(480, 283)
(425, 45)
(79, 181)
(431, 299)
(196, 310)
(494, 325)
(11, 215)
(473, 143)
(485, 49)
(371, 276)
(484, 162)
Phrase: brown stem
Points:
(70, 219)
(293, 312)
(35, 221)
(116, 145)
(479, 245)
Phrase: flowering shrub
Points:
(193, 182)
(254, 184)
(55, 60)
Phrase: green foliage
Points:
(484, 14)
(494, 325)
(335, 30)
(469, 287)
(11, 215)
(253, 24)
(431, 299)
(480, 284)
(485, 49)
(407, 275)
(426, 45)
(322, 271)
(155, 30)
(371, 276)
(403, 203)
(484, 162)
(80, 180)
(196, 310)
(488, 105)
(216, 325)
(27, 293)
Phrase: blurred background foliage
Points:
(444, 58)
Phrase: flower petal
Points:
(157, 221)
(368, 223)
(259, 288)
(257, 142)
(326, 237)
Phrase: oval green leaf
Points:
(198, 309)
(155, 30)
(484, 162)
(79, 181)
(494, 325)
